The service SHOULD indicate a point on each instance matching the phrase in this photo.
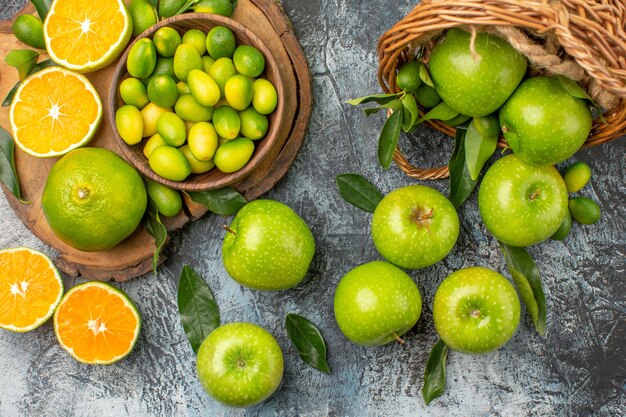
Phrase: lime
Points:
(188, 126)
(166, 40)
(220, 42)
(264, 98)
(233, 155)
(203, 88)
(151, 114)
(141, 59)
(183, 88)
(151, 144)
(221, 7)
(164, 66)
(93, 199)
(221, 141)
(29, 29)
(238, 92)
(207, 62)
(203, 141)
(186, 59)
(576, 176)
(190, 110)
(143, 15)
(129, 124)
(427, 96)
(254, 125)
(249, 61)
(169, 163)
(197, 166)
(167, 200)
(169, 8)
(162, 91)
(584, 210)
(221, 70)
(408, 77)
(172, 129)
(226, 122)
(134, 92)
(197, 39)
(563, 230)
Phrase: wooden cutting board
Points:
(133, 257)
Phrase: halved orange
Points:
(97, 323)
(86, 36)
(30, 289)
(54, 111)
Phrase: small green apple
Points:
(376, 303)
(522, 204)
(240, 364)
(268, 246)
(543, 123)
(475, 83)
(415, 226)
(476, 310)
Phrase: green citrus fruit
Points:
(129, 124)
(141, 59)
(221, 7)
(233, 155)
(183, 88)
(151, 144)
(221, 70)
(226, 122)
(93, 199)
(143, 15)
(197, 39)
(169, 163)
(238, 92)
(166, 40)
(164, 66)
(162, 91)
(220, 42)
(186, 59)
(150, 115)
(563, 230)
(584, 210)
(264, 97)
(133, 92)
(190, 110)
(576, 176)
(169, 8)
(197, 166)
(427, 96)
(207, 62)
(254, 125)
(408, 77)
(203, 141)
(203, 88)
(249, 61)
(29, 29)
(167, 200)
(172, 129)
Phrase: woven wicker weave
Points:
(592, 32)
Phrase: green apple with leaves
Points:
(240, 364)
(267, 246)
(376, 303)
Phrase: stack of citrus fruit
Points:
(196, 99)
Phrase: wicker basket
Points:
(588, 35)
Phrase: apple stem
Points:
(535, 194)
(505, 129)
(475, 55)
(398, 338)
(229, 230)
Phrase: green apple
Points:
(240, 364)
(376, 303)
(475, 83)
(415, 226)
(522, 204)
(542, 123)
(268, 246)
(476, 310)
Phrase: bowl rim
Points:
(258, 157)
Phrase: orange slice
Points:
(86, 36)
(54, 111)
(97, 323)
(30, 289)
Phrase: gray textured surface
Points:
(577, 369)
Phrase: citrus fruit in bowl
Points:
(228, 89)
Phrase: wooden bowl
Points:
(214, 178)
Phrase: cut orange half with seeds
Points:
(86, 36)
(54, 111)
(97, 323)
(30, 289)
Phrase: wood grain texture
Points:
(576, 370)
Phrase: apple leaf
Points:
(572, 88)
(478, 149)
(8, 171)
(461, 182)
(374, 98)
(23, 60)
(153, 225)
(435, 372)
(223, 201)
(528, 281)
(307, 338)
(197, 308)
(424, 76)
(358, 191)
(42, 7)
(440, 112)
(393, 104)
(389, 138)
(409, 107)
